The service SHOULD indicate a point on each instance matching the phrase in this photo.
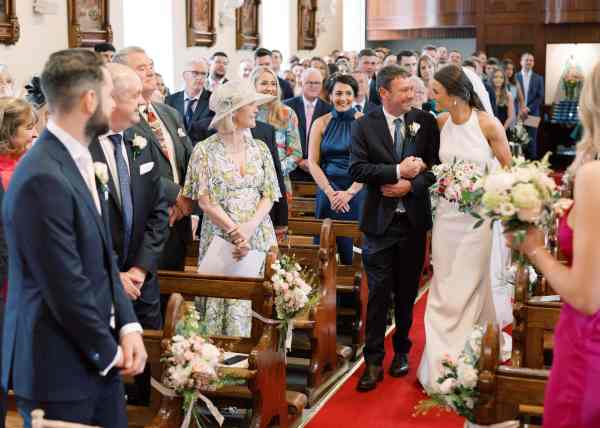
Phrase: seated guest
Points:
(192, 102)
(266, 133)
(338, 197)
(505, 105)
(70, 332)
(106, 51)
(232, 177)
(246, 67)
(319, 64)
(283, 119)
(264, 58)
(137, 208)
(308, 107)
(219, 61)
(574, 383)
(17, 133)
(362, 103)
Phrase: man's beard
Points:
(217, 75)
(97, 125)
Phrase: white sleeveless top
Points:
(466, 142)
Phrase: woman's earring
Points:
(454, 103)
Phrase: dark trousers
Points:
(393, 263)
(2, 392)
(106, 408)
(531, 151)
(173, 255)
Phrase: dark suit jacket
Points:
(201, 110)
(297, 104)
(287, 91)
(374, 93)
(150, 217)
(535, 94)
(182, 230)
(373, 161)
(266, 133)
(63, 278)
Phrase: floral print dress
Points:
(212, 173)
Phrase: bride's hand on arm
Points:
(494, 132)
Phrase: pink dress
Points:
(573, 391)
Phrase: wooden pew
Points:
(326, 357)
(265, 391)
(306, 189)
(351, 279)
(533, 326)
(506, 393)
(302, 206)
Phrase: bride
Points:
(461, 293)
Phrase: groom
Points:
(392, 149)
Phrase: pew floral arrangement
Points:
(518, 134)
(458, 182)
(520, 196)
(456, 386)
(193, 367)
(295, 290)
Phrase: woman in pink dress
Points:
(573, 391)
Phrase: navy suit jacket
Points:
(297, 104)
(63, 280)
(374, 93)
(150, 217)
(201, 110)
(535, 94)
(287, 91)
(373, 161)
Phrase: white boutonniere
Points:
(101, 171)
(138, 143)
(181, 133)
(413, 128)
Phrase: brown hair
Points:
(424, 58)
(502, 100)
(14, 113)
(457, 84)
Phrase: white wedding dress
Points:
(460, 295)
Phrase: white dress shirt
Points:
(392, 128)
(109, 154)
(526, 80)
(83, 159)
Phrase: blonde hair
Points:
(14, 113)
(589, 112)
(277, 115)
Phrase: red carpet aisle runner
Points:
(391, 405)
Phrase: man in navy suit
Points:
(308, 107)
(192, 102)
(367, 63)
(76, 327)
(264, 58)
(533, 89)
(361, 101)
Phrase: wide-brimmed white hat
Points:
(233, 95)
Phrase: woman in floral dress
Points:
(232, 177)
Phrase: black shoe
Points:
(399, 366)
(370, 377)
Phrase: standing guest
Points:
(290, 77)
(264, 58)
(246, 67)
(283, 119)
(163, 129)
(294, 60)
(319, 64)
(297, 69)
(137, 209)
(219, 61)
(432, 52)
(232, 177)
(277, 58)
(305, 63)
(17, 133)
(421, 95)
(162, 92)
(308, 108)
(442, 54)
(76, 327)
(514, 87)
(343, 65)
(367, 61)
(455, 57)
(338, 197)
(408, 60)
(192, 102)
(7, 84)
(574, 382)
(425, 69)
(482, 57)
(490, 67)
(361, 102)
(533, 90)
(106, 51)
(390, 59)
(396, 213)
(505, 105)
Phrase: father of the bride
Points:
(392, 150)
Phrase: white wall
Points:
(43, 34)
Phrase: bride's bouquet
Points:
(456, 386)
(458, 182)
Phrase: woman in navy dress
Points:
(338, 197)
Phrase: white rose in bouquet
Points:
(467, 375)
(498, 183)
(447, 386)
(525, 195)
